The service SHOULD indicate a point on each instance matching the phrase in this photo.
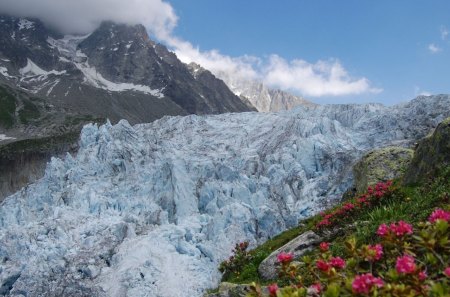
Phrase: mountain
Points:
(115, 72)
(51, 85)
(151, 209)
(263, 98)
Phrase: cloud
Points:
(444, 33)
(434, 49)
(323, 78)
(83, 16)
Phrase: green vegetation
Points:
(7, 108)
(38, 145)
(409, 203)
(28, 112)
(83, 119)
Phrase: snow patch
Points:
(25, 24)
(4, 72)
(33, 69)
(95, 79)
(4, 137)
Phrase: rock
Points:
(432, 154)
(381, 165)
(230, 290)
(298, 246)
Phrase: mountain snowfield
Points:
(152, 209)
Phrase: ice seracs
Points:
(152, 209)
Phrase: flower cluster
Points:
(439, 214)
(285, 257)
(240, 256)
(407, 262)
(395, 229)
(345, 211)
(373, 252)
(364, 283)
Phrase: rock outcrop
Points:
(298, 246)
(431, 155)
(381, 165)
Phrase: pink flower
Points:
(405, 264)
(323, 266)
(316, 287)
(348, 206)
(375, 252)
(447, 271)
(324, 222)
(422, 275)
(285, 257)
(362, 284)
(337, 262)
(439, 214)
(383, 230)
(379, 194)
(401, 228)
(324, 246)
(273, 288)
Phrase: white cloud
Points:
(434, 49)
(83, 16)
(444, 33)
(323, 78)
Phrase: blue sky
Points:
(399, 46)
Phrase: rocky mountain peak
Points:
(117, 72)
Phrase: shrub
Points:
(407, 261)
(240, 257)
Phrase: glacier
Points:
(152, 209)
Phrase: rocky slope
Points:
(432, 155)
(115, 72)
(151, 210)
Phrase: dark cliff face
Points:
(115, 72)
(431, 156)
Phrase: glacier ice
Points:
(151, 210)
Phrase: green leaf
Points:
(441, 226)
(332, 290)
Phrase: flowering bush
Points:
(406, 262)
(344, 212)
(237, 260)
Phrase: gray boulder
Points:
(298, 246)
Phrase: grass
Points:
(409, 203)
(7, 108)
